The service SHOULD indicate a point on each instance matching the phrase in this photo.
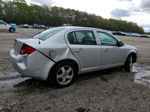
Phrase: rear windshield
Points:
(48, 33)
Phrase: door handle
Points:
(79, 50)
(106, 50)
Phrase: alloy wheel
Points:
(65, 75)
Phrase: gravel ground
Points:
(102, 91)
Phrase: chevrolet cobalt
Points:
(59, 54)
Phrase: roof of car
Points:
(75, 27)
(80, 27)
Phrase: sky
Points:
(137, 11)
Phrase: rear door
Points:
(84, 47)
(112, 55)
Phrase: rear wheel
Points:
(63, 74)
(129, 63)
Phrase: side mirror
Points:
(120, 43)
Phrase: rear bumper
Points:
(35, 65)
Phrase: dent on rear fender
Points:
(64, 53)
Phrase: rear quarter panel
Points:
(55, 48)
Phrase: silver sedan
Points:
(60, 53)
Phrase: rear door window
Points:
(82, 38)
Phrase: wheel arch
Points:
(68, 60)
(11, 28)
(134, 56)
(61, 61)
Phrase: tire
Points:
(128, 64)
(63, 74)
(12, 30)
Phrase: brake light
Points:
(26, 49)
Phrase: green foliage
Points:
(20, 13)
(148, 33)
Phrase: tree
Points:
(1, 10)
(19, 12)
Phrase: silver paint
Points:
(57, 48)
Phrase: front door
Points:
(112, 55)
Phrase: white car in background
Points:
(5, 26)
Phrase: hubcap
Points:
(65, 75)
(12, 30)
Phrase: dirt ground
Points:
(102, 91)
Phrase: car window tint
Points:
(82, 38)
(72, 38)
(106, 39)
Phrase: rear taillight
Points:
(26, 49)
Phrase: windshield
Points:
(2, 22)
(48, 33)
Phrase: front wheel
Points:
(63, 74)
(129, 64)
(11, 30)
